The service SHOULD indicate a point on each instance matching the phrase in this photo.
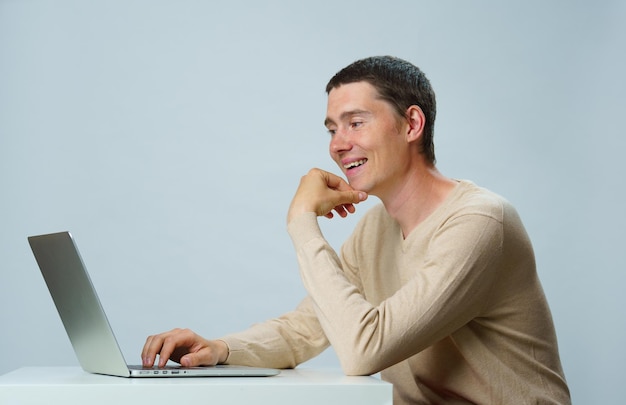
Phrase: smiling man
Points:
(436, 288)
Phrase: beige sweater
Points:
(454, 313)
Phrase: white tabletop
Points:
(71, 385)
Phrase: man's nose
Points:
(340, 142)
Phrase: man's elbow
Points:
(359, 364)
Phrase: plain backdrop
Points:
(169, 138)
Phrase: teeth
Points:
(355, 163)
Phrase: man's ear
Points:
(416, 122)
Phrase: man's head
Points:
(398, 82)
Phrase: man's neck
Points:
(417, 197)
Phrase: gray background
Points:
(169, 137)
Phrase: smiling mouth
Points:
(354, 164)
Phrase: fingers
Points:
(195, 359)
(347, 196)
(176, 345)
(201, 355)
(342, 210)
(156, 345)
(168, 343)
(150, 349)
(322, 192)
(332, 180)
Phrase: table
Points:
(302, 386)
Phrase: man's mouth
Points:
(354, 164)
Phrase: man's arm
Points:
(283, 342)
(448, 289)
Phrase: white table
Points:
(302, 386)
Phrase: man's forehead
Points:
(344, 115)
(349, 99)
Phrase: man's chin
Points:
(356, 185)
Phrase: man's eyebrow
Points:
(344, 115)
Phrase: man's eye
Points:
(356, 124)
(332, 131)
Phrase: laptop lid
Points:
(85, 321)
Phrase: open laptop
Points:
(86, 323)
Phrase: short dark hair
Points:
(398, 82)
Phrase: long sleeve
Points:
(283, 342)
(447, 292)
(453, 313)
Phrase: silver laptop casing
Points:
(86, 323)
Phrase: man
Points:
(436, 288)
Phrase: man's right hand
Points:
(184, 347)
(322, 192)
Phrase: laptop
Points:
(86, 323)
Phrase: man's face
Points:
(367, 138)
